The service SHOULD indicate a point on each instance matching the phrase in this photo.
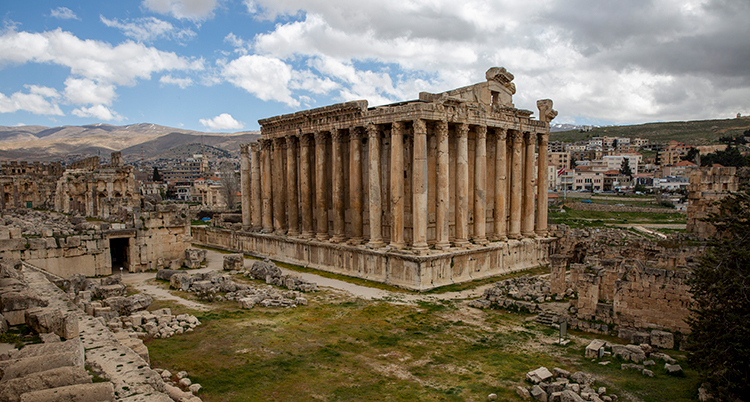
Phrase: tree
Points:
(156, 174)
(720, 286)
(691, 154)
(625, 167)
(614, 144)
(729, 157)
(230, 184)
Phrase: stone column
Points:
(374, 203)
(462, 185)
(266, 147)
(355, 183)
(515, 186)
(255, 194)
(542, 181)
(419, 186)
(279, 196)
(501, 186)
(527, 229)
(247, 217)
(443, 188)
(321, 189)
(291, 185)
(338, 186)
(480, 185)
(397, 185)
(306, 186)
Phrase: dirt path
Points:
(214, 259)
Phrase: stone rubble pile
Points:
(521, 293)
(643, 354)
(179, 386)
(30, 223)
(211, 285)
(560, 385)
(128, 314)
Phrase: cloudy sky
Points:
(220, 65)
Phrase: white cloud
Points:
(39, 100)
(224, 121)
(85, 91)
(180, 82)
(265, 77)
(63, 13)
(195, 10)
(100, 112)
(238, 43)
(148, 29)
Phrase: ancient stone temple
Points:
(418, 194)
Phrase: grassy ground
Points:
(343, 349)
(576, 218)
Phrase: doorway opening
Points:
(118, 249)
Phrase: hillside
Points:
(698, 132)
(145, 140)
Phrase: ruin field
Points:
(409, 347)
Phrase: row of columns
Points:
(281, 195)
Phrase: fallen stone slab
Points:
(52, 320)
(129, 305)
(166, 274)
(74, 346)
(570, 396)
(629, 352)
(11, 390)
(29, 365)
(662, 339)
(107, 291)
(594, 348)
(180, 281)
(673, 369)
(99, 392)
(538, 375)
(179, 395)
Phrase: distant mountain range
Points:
(136, 141)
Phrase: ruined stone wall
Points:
(162, 236)
(653, 298)
(707, 185)
(619, 208)
(86, 253)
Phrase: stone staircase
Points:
(548, 318)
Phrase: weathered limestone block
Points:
(538, 375)
(538, 393)
(662, 339)
(99, 392)
(629, 352)
(178, 394)
(129, 305)
(25, 366)
(180, 281)
(233, 262)
(264, 269)
(194, 257)
(74, 346)
(136, 345)
(593, 349)
(52, 320)
(11, 269)
(166, 274)
(111, 280)
(570, 396)
(105, 292)
(12, 285)
(14, 304)
(582, 378)
(11, 390)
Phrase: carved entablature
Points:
(487, 104)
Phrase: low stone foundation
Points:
(399, 268)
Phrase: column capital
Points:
(442, 129)
(543, 139)
(529, 136)
(397, 128)
(462, 130)
(290, 139)
(338, 135)
(481, 132)
(254, 147)
(355, 133)
(306, 140)
(516, 137)
(280, 142)
(244, 149)
(420, 126)
(320, 136)
(501, 133)
(372, 130)
(266, 145)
